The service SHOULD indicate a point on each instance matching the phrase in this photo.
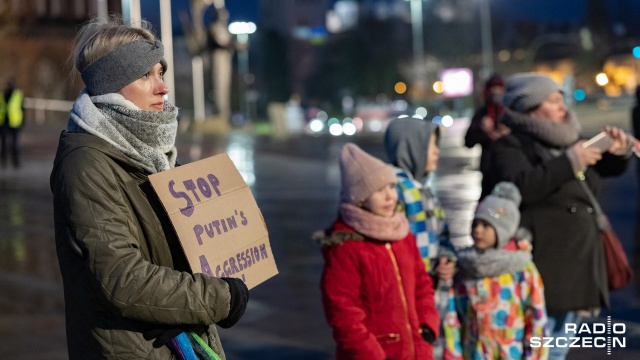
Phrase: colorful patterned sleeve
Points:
(452, 328)
(535, 314)
(467, 335)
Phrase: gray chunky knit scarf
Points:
(491, 262)
(147, 138)
(552, 133)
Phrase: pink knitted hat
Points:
(362, 174)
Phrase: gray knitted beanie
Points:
(362, 174)
(122, 66)
(525, 91)
(501, 210)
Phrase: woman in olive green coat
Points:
(128, 290)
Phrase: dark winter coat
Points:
(119, 269)
(476, 135)
(566, 245)
(376, 296)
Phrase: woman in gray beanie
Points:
(129, 293)
(544, 156)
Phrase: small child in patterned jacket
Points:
(502, 295)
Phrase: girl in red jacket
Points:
(376, 295)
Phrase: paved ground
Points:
(295, 183)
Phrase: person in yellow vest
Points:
(11, 121)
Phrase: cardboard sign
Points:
(218, 222)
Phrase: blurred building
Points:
(328, 50)
(368, 43)
(36, 38)
(293, 34)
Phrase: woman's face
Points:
(383, 202)
(147, 92)
(552, 108)
(483, 234)
(432, 154)
(496, 94)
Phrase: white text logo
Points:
(595, 335)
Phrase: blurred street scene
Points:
(281, 86)
(296, 184)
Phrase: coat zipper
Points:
(403, 298)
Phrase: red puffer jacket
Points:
(376, 296)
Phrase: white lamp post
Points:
(416, 30)
(242, 31)
(487, 42)
(167, 41)
(103, 9)
(131, 11)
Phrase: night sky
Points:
(239, 10)
(619, 11)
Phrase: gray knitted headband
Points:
(122, 66)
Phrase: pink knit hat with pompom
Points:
(362, 174)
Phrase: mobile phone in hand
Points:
(601, 141)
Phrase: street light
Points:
(487, 42)
(242, 30)
(416, 30)
(417, 38)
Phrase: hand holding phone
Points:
(601, 141)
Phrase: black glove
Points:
(161, 337)
(427, 334)
(239, 298)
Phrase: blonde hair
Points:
(99, 36)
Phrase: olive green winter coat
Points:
(125, 276)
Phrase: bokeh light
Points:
(335, 129)
(438, 87)
(349, 129)
(602, 79)
(375, 125)
(316, 125)
(400, 87)
(400, 105)
(358, 123)
(504, 55)
(579, 95)
(447, 121)
(519, 54)
(422, 112)
(242, 27)
(636, 52)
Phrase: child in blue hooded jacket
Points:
(411, 145)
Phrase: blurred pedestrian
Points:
(504, 295)
(294, 115)
(411, 145)
(635, 125)
(544, 156)
(635, 121)
(128, 289)
(11, 121)
(485, 126)
(376, 295)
